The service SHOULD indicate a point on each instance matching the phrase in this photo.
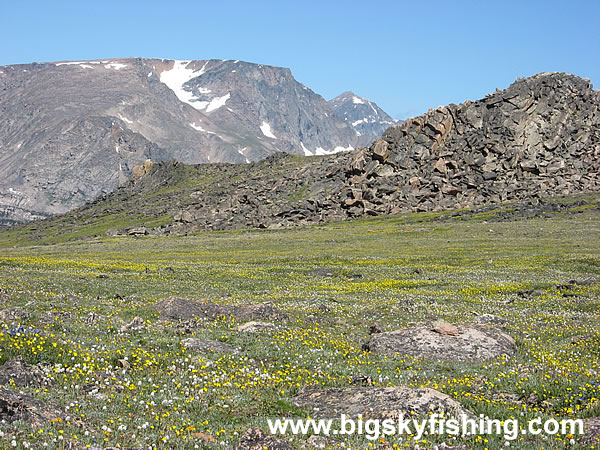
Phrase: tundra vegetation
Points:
(83, 315)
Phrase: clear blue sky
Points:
(405, 56)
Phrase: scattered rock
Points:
(258, 327)
(256, 439)
(361, 380)
(591, 430)
(14, 406)
(14, 314)
(374, 328)
(135, 325)
(18, 372)
(137, 231)
(377, 403)
(473, 343)
(445, 328)
(206, 345)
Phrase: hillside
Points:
(539, 138)
(71, 131)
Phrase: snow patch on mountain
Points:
(176, 78)
(216, 103)
(266, 130)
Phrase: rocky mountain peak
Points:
(364, 116)
(73, 130)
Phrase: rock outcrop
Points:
(72, 131)
(444, 342)
(539, 138)
(15, 406)
(378, 403)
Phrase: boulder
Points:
(136, 324)
(472, 343)
(377, 403)
(17, 372)
(15, 406)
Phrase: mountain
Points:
(538, 138)
(365, 117)
(70, 131)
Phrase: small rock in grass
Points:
(445, 328)
(256, 439)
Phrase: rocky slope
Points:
(364, 116)
(71, 131)
(538, 138)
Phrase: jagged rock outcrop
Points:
(538, 138)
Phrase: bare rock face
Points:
(536, 139)
(365, 117)
(462, 343)
(378, 403)
(18, 372)
(14, 406)
(207, 345)
(177, 308)
(73, 131)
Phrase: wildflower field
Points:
(142, 388)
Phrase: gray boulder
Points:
(378, 403)
(472, 343)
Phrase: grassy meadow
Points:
(144, 389)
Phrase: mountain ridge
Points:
(73, 130)
(538, 138)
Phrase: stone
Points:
(136, 324)
(377, 403)
(137, 231)
(14, 314)
(258, 327)
(17, 372)
(256, 439)
(473, 343)
(446, 328)
(207, 345)
(15, 406)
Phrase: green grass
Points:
(393, 271)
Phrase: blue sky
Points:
(405, 56)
